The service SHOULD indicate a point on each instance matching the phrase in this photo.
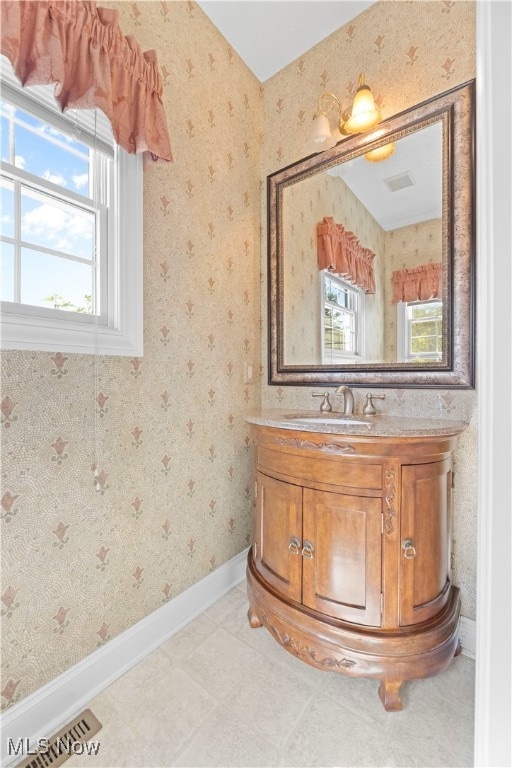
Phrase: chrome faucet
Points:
(348, 399)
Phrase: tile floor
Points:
(222, 694)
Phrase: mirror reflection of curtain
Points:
(419, 284)
(340, 251)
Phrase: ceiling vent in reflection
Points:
(403, 180)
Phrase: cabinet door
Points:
(342, 573)
(278, 522)
(426, 522)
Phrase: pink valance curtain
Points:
(81, 48)
(339, 251)
(418, 284)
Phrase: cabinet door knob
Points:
(409, 549)
(294, 546)
(307, 550)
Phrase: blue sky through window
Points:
(46, 221)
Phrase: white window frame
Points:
(402, 332)
(337, 356)
(119, 331)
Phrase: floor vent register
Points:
(64, 744)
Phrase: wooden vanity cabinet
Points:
(350, 563)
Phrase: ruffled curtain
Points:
(339, 251)
(81, 48)
(418, 284)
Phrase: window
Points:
(71, 228)
(420, 331)
(342, 331)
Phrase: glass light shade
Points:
(321, 137)
(381, 153)
(364, 114)
(336, 135)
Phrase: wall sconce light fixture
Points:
(321, 136)
(363, 116)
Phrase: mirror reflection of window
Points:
(419, 331)
(343, 313)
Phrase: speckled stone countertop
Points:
(357, 424)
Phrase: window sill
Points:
(26, 332)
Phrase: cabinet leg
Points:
(253, 619)
(389, 693)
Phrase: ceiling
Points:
(417, 156)
(270, 34)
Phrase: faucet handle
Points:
(369, 409)
(325, 405)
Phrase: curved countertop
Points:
(357, 424)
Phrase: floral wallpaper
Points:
(408, 52)
(124, 481)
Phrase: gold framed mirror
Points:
(371, 262)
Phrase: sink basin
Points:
(334, 419)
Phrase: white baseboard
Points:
(467, 634)
(45, 711)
